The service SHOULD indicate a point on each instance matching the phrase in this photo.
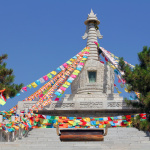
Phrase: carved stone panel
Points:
(91, 104)
(116, 104)
(27, 105)
(63, 105)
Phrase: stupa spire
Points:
(91, 11)
(91, 34)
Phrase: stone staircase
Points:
(47, 139)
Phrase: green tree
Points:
(138, 79)
(7, 79)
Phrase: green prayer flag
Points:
(50, 121)
(49, 75)
(64, 85)
(9, 124)
(30, 86)
(123, 117)
(69, 62)
(35, 123)
(112, 118)
(52, 117)
(75, 73)
(12, 129)
(121, 85)
(45, 92)
(82, 61)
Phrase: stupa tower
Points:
(91, 34)
(95, 78)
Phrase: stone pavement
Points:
(47, 139)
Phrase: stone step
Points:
(116, 139)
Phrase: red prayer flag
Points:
(106, 59)
(119, 81)
(102, 62)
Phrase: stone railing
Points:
(6, 136)
(12, 136)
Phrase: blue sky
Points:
(40, 35)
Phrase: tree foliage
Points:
(7, 79)
(138, 80)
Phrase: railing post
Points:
(13, 136)
(1, 118)
(26, 110)
(13, 133)
(8, 137)
(0, 135)
(18, 114)
(12, 118)
(17, 134)
(20, 133)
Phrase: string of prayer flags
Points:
(62, 83)
(48, 76)
(122, 84)
(42, 91)
(32, 121)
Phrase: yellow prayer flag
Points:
(44, 126)
(112, 55)
(71, 59)
(53, 72)
(84, 58)
(44, 121)
(41, 121)
(7, 96)
(2, 102)
(87, 119)
(113, 67)
(34, 84)
(132, 66)
(100, 126)
(67, 83)
(22, 126)
(126, 90)
(97, 122)
(119, 92)
(70, 122)
(64, 118)
(77, 71)
(56, 117)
